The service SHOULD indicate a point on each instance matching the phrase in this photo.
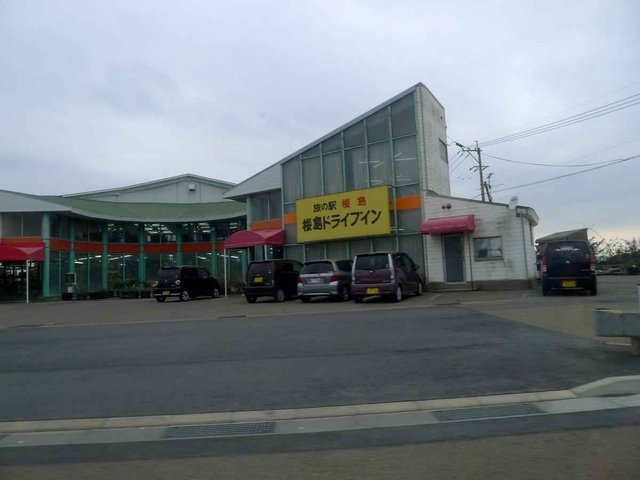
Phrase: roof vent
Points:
(192, 187)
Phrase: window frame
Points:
(487, 258)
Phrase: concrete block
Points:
(578, 405)
(616, 323)
(628, 385)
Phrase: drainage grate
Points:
(486, 412)
(220, 430)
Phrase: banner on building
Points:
(358, 213)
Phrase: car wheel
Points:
(397, 296)
(419, 289)
(279, 296)
(357, 298)
(250, 298)
(343, 294)
(545, 290)
(160, 299)
(184, 296)
(305, 299)
(594, 291)
(215, 293)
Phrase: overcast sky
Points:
(101, 94)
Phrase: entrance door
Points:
(453, 258)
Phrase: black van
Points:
(272, 278)
(185, 282)
(568, 265)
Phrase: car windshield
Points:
(568, 251)
(317, 267)
(372, 262)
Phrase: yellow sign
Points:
(359, 213)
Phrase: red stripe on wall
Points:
(90, 247)
(58, 244)
(21, 240)
(161, 248)
(123, 248)
(196, 247)
(267, 224)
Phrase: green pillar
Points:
(72, 252)
(141, 261)
(46, 235)
(105, 257)
(179, 244)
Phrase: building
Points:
(389, 165)
(113, 237)
(379, 182)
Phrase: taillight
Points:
(299, 279)
(334, 278)
(178, 282)
(544, 265)
(592, 264)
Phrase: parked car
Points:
(568, 265)
(185, 282)
(272, 278)
(325, 278)
(390, 274)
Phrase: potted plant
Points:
(146, 290)
(80, 295)
(130, 289)
(67, 296)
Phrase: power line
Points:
(572, 120)
(577, 105)
(613, 162)
(550, 164)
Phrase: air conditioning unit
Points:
(192, 187)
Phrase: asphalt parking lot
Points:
(567, 312)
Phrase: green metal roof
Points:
(160, 212)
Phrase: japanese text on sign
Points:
(358, 213)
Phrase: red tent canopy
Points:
(437, 226)
(21, 252)
(253, 238)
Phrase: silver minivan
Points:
(325, 278)
(388, 274)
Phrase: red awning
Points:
(252, 238)
(437, 226)
(21, 252)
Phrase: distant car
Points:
(390, 274)
(272, 278)
(185, 282)
(325, 278)
(568, 265)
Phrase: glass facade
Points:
(381, 149)
(21, 224)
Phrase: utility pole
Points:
(487, 186)
(480, 168)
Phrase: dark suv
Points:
(390, 274)
(568, 265)
(185, 282)
(272, 278)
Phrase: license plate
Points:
(568, 284)
(258, 279)
(166, 293)
(315, 280)
(373, 291)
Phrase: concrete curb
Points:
(283, 414)
(628, 385)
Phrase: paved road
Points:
(288, 361)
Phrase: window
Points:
(292, 187)
(403, 117)
(345, 265)
(488, 248)
(317, 267)
(114, 233)
(406, 161)
(332, 144)
(355, 169)
(130, 232)
(159, 233)
(443, 152)
(380, 164)
(312, 177)
(260, 207)
(378, 126)
(31, 224)
(332, 164)
(354, 135)
(275, 204)
(312, 152)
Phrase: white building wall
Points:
(492, 220)
(432, 122)
(177, 192)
